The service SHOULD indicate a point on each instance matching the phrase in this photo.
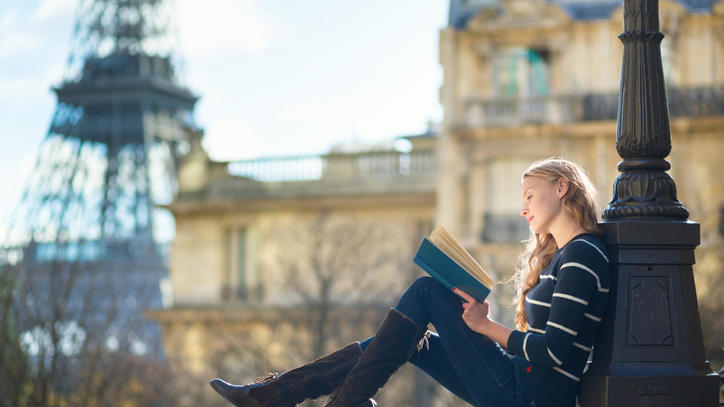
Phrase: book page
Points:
(448, 244)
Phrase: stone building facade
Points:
(276, 261)
(523, 80)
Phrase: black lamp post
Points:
(650, 350)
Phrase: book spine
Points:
(431, 272)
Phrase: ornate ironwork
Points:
(503, 228)
(643, 137)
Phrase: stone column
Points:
(650, 350)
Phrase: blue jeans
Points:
(468, 364)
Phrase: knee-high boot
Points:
(312, 380)
(392, 346)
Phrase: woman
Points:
(562, 289)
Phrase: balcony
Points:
(509, 111)
(561, 109)
(504, 228)
(336, 166)
(393, 175)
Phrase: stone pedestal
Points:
(650, 350)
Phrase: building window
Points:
(520, 72)
(241, 288)
(667, 62)
(502, 222)
(424, 227)
(236, 283)
(503, 228)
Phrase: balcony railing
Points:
(503, 228)
(683, 102)
(507, 111)
(336, 166)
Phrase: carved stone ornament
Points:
(523, 8)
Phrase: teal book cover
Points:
(446, 271)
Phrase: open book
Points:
(445, 259)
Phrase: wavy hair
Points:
(579, 201)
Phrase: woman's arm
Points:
(476, 318)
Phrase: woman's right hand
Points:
(475, 314)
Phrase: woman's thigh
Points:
(482, 367)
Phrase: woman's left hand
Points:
(475, 314)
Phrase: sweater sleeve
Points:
(577, 282)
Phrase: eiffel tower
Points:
(80, 245)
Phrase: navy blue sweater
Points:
(565, 308)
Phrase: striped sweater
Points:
(565, 308)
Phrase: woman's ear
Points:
(562, 187)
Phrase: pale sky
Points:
(279, 77)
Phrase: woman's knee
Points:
(427, 284)
(364, 344)
(415, 300)
(423, 283)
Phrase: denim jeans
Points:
(468, 364)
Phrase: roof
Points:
(461, 11)
(588, 10)
(698, 5)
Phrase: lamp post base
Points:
(650, 391)
(649, 350)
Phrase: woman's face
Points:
(542, 203)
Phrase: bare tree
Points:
(710, 293)
(328, 281)
(70, 335)
(333, 263)
(12, 359)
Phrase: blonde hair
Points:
(579, 201)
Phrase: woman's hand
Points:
(476, 318)
(475, 314)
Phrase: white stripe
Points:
(582, 267)
(525, 342)
(549, 276)
(562, 328)
(544, 304)
(593, 317)
(594, 246)
(540, 331)
(570, 297)
(555, 359)
(588, 362)
(563, 372)
(579, 346)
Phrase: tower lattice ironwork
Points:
(84, 241)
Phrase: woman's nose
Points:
(523, 212)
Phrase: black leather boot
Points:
(393, 345)
(312, 380)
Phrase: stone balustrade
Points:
(335, 166)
